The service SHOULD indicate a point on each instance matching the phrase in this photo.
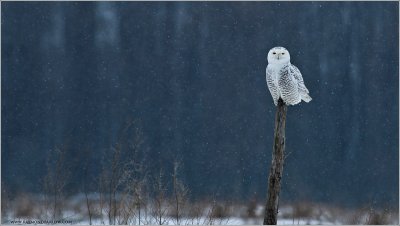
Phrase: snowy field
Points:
(28, 210)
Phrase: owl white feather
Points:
(284, 79)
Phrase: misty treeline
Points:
(73, 74)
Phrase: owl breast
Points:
(288, 87)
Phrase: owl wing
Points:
(272, 86)
(303, 91)
(295, 72)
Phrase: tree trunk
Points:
(275, 174)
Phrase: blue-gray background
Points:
(193, 74)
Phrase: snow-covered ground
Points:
(75, 211)
(183, 221)
(75, 219)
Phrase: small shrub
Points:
(302, 210)
(24, 206)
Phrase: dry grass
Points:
(321, 213)
(303, 210)
(24, 206)
(29, 206)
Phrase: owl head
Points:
(278, 55)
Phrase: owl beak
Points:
(279, 56)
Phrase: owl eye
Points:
(283, 53)
(274, 53)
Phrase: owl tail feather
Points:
(306, 97)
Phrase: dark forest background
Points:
(191, 75)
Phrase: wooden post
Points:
(275, 174)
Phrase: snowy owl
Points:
(284, 79)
